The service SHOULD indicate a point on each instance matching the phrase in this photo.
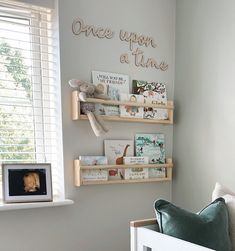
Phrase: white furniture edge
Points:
(28, 205)
(145, 237)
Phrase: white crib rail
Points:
(144, 238)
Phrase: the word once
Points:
(78, 27)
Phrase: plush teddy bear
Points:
(89, 90)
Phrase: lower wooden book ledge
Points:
(102, 182)
(78, 168)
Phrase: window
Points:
(30, 104)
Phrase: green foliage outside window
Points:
(17, 137)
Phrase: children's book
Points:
(152, 146)
(136, 173)
(153, 93)
(131, 111)
(136, 160)
(99, 174)
(115, 151)
(139, 87)
(113, 85)
(157, 172)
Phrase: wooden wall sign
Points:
(140, 61)
(79, 26)
(132, 38)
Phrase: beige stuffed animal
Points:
(89, 90)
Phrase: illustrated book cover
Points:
(131, 111)
(152, 146)
(154, 93)
(113, 85)
(115, 151)
(136, 173)
(99, 174)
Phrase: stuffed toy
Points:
(89, 90)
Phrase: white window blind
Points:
(30, 106)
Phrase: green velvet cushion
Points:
(209, 228)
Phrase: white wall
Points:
(204, 93)
(99, 219)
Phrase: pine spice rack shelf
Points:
(76, 115)
(78, 168)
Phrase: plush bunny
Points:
(89, 90)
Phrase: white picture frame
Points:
(27, 182)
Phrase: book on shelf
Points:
(136, 173)
(113, 84)
(99, 174)
(159, 172)
(115, 151)
(131, 111)
(136, 160)
(152, 145)
(153, 93)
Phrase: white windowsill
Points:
(15, 206)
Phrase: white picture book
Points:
(154, 113)
(113, 85)
(131, 111)
(115, 151)
(154, 93)
(136, 173)
(157, 172)
(97, 174)
(136, 160)
(153, 146)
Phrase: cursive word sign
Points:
(150, 62)
(78, 27)
(133, 37)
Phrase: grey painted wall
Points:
(43, 3)
(99, 219)
(204, 94)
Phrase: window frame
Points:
(35, 30)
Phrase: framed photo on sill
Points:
(26, 182)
